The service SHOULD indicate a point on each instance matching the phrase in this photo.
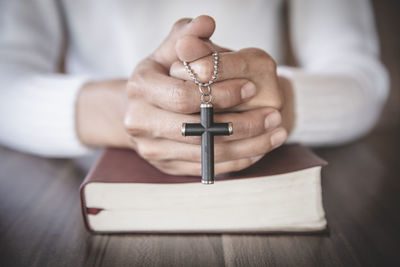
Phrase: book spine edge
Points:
(86, 181)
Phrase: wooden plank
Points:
(164, 250)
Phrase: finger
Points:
(150, 82)
(250, 123)
(191, 168)
(167, 125)
(191, 47)
(201, 27)
(162, 149)
(250, 147)
(245, 63)
(252, 64)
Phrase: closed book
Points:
(123, 193)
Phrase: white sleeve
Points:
(37, 104)
(340, 85)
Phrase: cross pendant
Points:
(207, 129)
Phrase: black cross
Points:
(207, 129)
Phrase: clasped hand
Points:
(146, 112)
(162, 96)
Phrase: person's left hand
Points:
(252, 64)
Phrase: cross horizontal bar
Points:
(196, 129)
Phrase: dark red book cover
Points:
(126, 166)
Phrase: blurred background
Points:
(387, 15)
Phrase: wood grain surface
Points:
(41, 222)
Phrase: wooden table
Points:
(41, 222)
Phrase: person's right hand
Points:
(157, 104)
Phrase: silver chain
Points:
(206, 96)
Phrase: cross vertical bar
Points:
(207, 129)
(207, 144)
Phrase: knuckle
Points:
(179, 99)
(168, 170)
(204, 70)
(136, 83)
(265, 148)
(270, 64)
(195, 140)
(247, 127)
(133, 127)
(229, 98)
(133, 87)
(223, 152)
(233, 166)
(196, 170)
(255, 53)
(175, 168)
(252, 127)
(278, 103)
(180, 23)
(193, 154)
(264, 61)
(162, 166)
(258, 53)
(276, 100)
(246, 162)
(148, 152)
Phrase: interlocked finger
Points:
(167, 125)
(155, 149)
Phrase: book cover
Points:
(121, 185)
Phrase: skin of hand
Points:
(252, 64)
(146, 112)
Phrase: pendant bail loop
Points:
(208, 92)
(206, 99)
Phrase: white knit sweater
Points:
(340, 84)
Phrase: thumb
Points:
(201, 27)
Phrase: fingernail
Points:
(278, 138)
(272, 120)
(248, 90)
